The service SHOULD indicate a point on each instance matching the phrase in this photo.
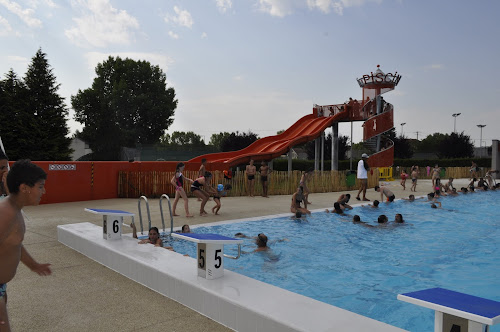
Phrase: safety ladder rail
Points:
(170, 210)
(235, 257)
(140, 212)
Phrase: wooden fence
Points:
(132, 184)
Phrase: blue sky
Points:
(260, 65)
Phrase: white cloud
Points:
(224, 5)
(163, 61)
(181, 18)
(238, 78)
(283, 8)
(204, 35)
(100, 24)
(173, 35)
(5, 27)
(26, 15)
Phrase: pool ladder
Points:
(145, 199)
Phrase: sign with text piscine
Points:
(379, 78)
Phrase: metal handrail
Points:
(235, 257)
(170, 210)
(140, 214)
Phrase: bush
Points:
(458, 162)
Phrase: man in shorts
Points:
(250, 171)
(363, 176)
(264, 173)
(383, 190)
(26, 184)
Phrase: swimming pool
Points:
(363, 269)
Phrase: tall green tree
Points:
(456, 146)
(128, 103)
(402, 146)
(17, 126)
(216, 140)
(237, 141)
(49, 141)
(431, 143)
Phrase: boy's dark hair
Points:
(228, 187)
(382, 219)
(3, 156)
(298, 214)
(208, 174)
(203, 160)
(356, 218)
(24, 172)
(154, 229)
(376, 187)
(336, 206)
(376, 202)
(348, 196)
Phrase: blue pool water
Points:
(363, 269)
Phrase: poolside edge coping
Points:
(236, 301)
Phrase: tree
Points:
(343, 147)
(182, 139)
(236, 141)
(128, 103)
(216, 139)
(430, 143)
(48, 108)
(402, 147)
(17, 126)
(456, 146)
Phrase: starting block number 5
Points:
(210, 262)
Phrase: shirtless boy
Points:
(385, 191)
(264, 172)
(414, 178)
(26, 183)
(250, 172)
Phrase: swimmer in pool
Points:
(435, 205)
(261, 241)
(382, 219)
(410, 198)
(399, 218)
(186, 229)
(337, 208)
(373, 206)
(153, 237)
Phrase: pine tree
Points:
(16, 126)
(49, 141)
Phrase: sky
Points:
(260, 65)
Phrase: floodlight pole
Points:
(402, 128)
(454, 115)
(481, 140)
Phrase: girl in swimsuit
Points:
(200, 193)
(178, 182)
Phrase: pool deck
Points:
(82, 295)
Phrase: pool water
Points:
(363, 269)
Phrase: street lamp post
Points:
(481, 140)
(454, 115)
(402, 128)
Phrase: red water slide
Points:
(304, 130)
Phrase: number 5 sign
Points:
(210, 262)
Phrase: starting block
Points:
(210, 252)
(454, 311)
(112, 221)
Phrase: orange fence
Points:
(71, 181)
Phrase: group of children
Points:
(200, 187)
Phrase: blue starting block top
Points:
(458, 304)
(118, 213)
(207, 238)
